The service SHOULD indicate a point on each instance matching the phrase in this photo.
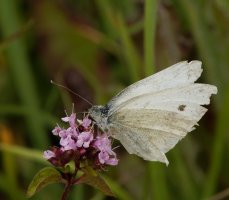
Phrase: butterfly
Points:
(150, 116)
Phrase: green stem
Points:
(189, 190)
(11, 109)
(149, 36)
(158, 181)
(66, 191)
(30, 154)
(107, 18)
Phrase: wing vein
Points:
(133, 131)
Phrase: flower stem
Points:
(66, 191)
(78, 180)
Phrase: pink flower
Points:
(104, 158)
(77, 143)
(112, 161)
(103, 144)
(72, 131)
(70, 119)
(63, 133)
(106, 155)
(84, 139)
(48, 154)
(68, 143)
(56, 130)
(86, 122)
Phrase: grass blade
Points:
(21, 72)
(158, 181)
(218, 149)
(149, 36)
(131, 55)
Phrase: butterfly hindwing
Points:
(140, 145)
(144, 130)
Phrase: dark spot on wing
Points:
(181, 107)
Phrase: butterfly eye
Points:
(104, 110)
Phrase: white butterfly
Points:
(150, 116)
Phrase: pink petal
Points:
(86, 122)
(65, 119)
(48, 154)
(63, 133)
(112, 161)
(103, 156)
(79, 143)
(72, 119)
(84, 139)
(56, 130)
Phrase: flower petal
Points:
(48, 154)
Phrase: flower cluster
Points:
(81, 142)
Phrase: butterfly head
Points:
(99, 114)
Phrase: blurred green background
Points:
(96, 48)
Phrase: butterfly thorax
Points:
(100, 115)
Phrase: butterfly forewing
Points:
(180, 74)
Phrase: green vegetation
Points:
(96, 48)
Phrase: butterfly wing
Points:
(151, 123)
(180, 74)
(150, 133)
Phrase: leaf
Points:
(119, 191)
(96, 181)
(44, 177)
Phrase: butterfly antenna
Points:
(62, 86)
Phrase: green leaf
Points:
(118, 190)
(96, 181)
(44, 177)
